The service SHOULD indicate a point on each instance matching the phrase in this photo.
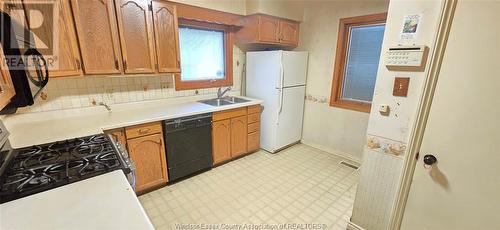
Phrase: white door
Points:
(462, 190)
(290, 115)
(294, 67)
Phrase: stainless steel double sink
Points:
(224, 101)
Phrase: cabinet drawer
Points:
(253, 142)
(252, 118)
(143, 130)
(254, 127)
(254, 109)
(229, 114)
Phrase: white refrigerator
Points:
(279, 79)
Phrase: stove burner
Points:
(39, 180)
(66, 144)
(29, 179)
(85, 150)
(30, 151)
(98, 139)
(40, 158)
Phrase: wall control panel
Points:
(406, 58)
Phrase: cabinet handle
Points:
(144, 131)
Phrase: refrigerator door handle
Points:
(282, 72)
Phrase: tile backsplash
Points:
(79, 92)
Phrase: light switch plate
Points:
(401, 85)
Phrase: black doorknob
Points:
(430, 159)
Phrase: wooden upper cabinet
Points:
(221, 141)
(148, 155)
(95, 23)
(238, 136)
(66, 52)
(7, 90)
(268, 30)
(135, 24)
(289, 32)
(166, 37)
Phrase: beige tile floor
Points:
(298, 185)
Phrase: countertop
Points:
(45, 127)
(102, 202)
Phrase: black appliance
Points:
(28, 68)
(39, 168)
(189, 145)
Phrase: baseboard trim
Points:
(353, 226)
(332, 151)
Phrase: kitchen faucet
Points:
(106, 106)
(221, 93)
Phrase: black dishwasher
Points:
(189, 145)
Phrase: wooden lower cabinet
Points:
(238, 136)
(253, 142)
(148, 155)
(221, 141)
(235, 133)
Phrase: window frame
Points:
(228, 57)
(340, 62)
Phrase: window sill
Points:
(188, 85)
(352, 105)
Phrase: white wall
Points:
(387, 136)
(286, 9)
(332, 129)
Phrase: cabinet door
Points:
(221, 140)
(6, 87)
(166, 37)
(135, 24)
(253, 141)
(238, 136)
(95, 23)
(289, 33)
(268, 29)
(66, 53)
(148, 155)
